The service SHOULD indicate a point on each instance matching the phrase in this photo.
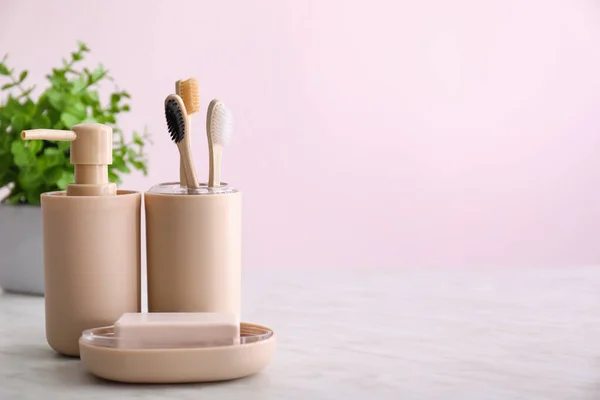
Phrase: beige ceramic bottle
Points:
(91, 235)
(193, 247)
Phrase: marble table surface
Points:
(373, 334)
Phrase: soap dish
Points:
(104, 356)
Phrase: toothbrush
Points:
(177, 124)
(189, 92)
(219, 126)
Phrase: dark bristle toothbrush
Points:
(177, 124)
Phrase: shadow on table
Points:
(53, 368)
(251, 381)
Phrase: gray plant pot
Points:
(21, 249)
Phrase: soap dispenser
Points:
(91, 241)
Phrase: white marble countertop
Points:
(373, 334)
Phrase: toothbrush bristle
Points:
(221, 124)
(175, 120)
(190, 94)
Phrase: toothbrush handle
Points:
(183, 178)
(188, 164)
(214, 179)
(182, 173)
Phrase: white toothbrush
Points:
(219, 127)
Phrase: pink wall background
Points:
(369, 134)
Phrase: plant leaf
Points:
(113, 177)
(29, 108)
(16, 147)
(8, 86)
(53, 175)
(82, 46)
(63, 146)
(22, 156)
(5, 144)
(35, 146)
(58, 81)
(77, 110)
(41, 121)
(33, 197)
(52, 156)
(56, 99)
(30, 179)
(18, 122)
(119, 165)
(114, 99)
(90, 97)
(69, 120)
(90, 120)
(79, 84)
(27, 92)
(66, 178)
(98, 74)
(23, 76)
(137, 139)
(140, 166)
(16, 198)
(4, 70)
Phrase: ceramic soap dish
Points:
(104, 356)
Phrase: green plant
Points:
(30, 168)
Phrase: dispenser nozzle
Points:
(48, 134)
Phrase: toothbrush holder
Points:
(193, 248)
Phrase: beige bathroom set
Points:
(91, 235)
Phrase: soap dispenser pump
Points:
(91, 241)
(91, 153)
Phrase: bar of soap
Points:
(172, 330)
